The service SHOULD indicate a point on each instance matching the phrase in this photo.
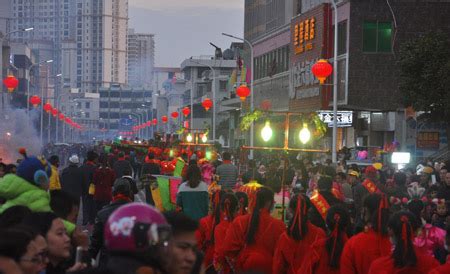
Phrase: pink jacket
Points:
(429, 239)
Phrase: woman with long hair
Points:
(205, 231)
(193, 196)
(251, 239)
(326, 253)
(297, 240)
(363, 248)
(405, 258)
(229, 207)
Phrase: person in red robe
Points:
(324, 255)
(205, 231)
(251, 239)
(229, 210)
(363, 248)
(405, 258)
(445, 268)
(295, 243)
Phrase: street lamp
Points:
(213, 87)
(251, 85)
(28, 82)
(42, 114)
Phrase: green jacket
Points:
(17, 191)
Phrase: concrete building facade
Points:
(141, 59)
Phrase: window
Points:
(223, 85)
(342, 38)
(377, 36)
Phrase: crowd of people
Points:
(89, 216)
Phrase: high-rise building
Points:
(141, 59)
(87, 39)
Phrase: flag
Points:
(233, 78)
(164, 190)
(244, 74)
(174, 183)
(178, 168)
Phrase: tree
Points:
(425, 77)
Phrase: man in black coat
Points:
(321, 201)
(88, 170)
(72, 178)
(122, 194)
(121, 165)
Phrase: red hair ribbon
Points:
(121, 196)
(405, 223)
(334, 234)
(300, 211)
(227, 209)
(384, 204)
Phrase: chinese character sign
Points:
(344, 118)
(304, 34)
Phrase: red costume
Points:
(290, 254)
(318, 260)
(385, 264)
(219, 241)
(442, 269)
(203, 235)
(258, 255)
(362, 249)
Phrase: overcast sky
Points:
(184, 28)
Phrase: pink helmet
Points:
(135, 227)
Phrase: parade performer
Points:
(322, 199)
(405, 258)
(251, 239)
(325, 254)
(205, 230)
(362, 249)
(295, 243)
(229, 209)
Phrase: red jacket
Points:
(385, 264)
(203, 235)
(220, 233)
(103, 180)
(442, 269)
(362, 249)
(257, 256)
(317, 261)
(290, 254)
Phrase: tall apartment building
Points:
(87, 39)
(141, 59)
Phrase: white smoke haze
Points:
(17, 131)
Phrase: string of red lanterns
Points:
(11, 82)
(174, 115)
(35, 100)
(207, 104)
(186, 111)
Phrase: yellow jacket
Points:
(54, 179)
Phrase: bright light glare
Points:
(304, 134)
(189, 138)
(204, 138)
(401, 157)
(266, 132)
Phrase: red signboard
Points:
(428, 140)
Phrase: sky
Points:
(184, 28)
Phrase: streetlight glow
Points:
(189, 138)
(266, 132)
(28, 29)
(305, 134)
(204, 138)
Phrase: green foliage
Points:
(425, 75)
(250, 118)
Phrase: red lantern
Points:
(186, 111)
(35, 100)
(164, 119)
(207, 104)
(243, 92)
(61, 116)
(149, 123)
(48, 107)
(322, 69)
(174, 115)
(155, 121)
(69, 121)
(54, 112)
(266, 104)
(10, 82)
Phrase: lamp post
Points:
(28, 82)
(213, 87)
(42, 113)
(3, 38)
(335, 80)
(252, 128)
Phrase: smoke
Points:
(17, 130)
